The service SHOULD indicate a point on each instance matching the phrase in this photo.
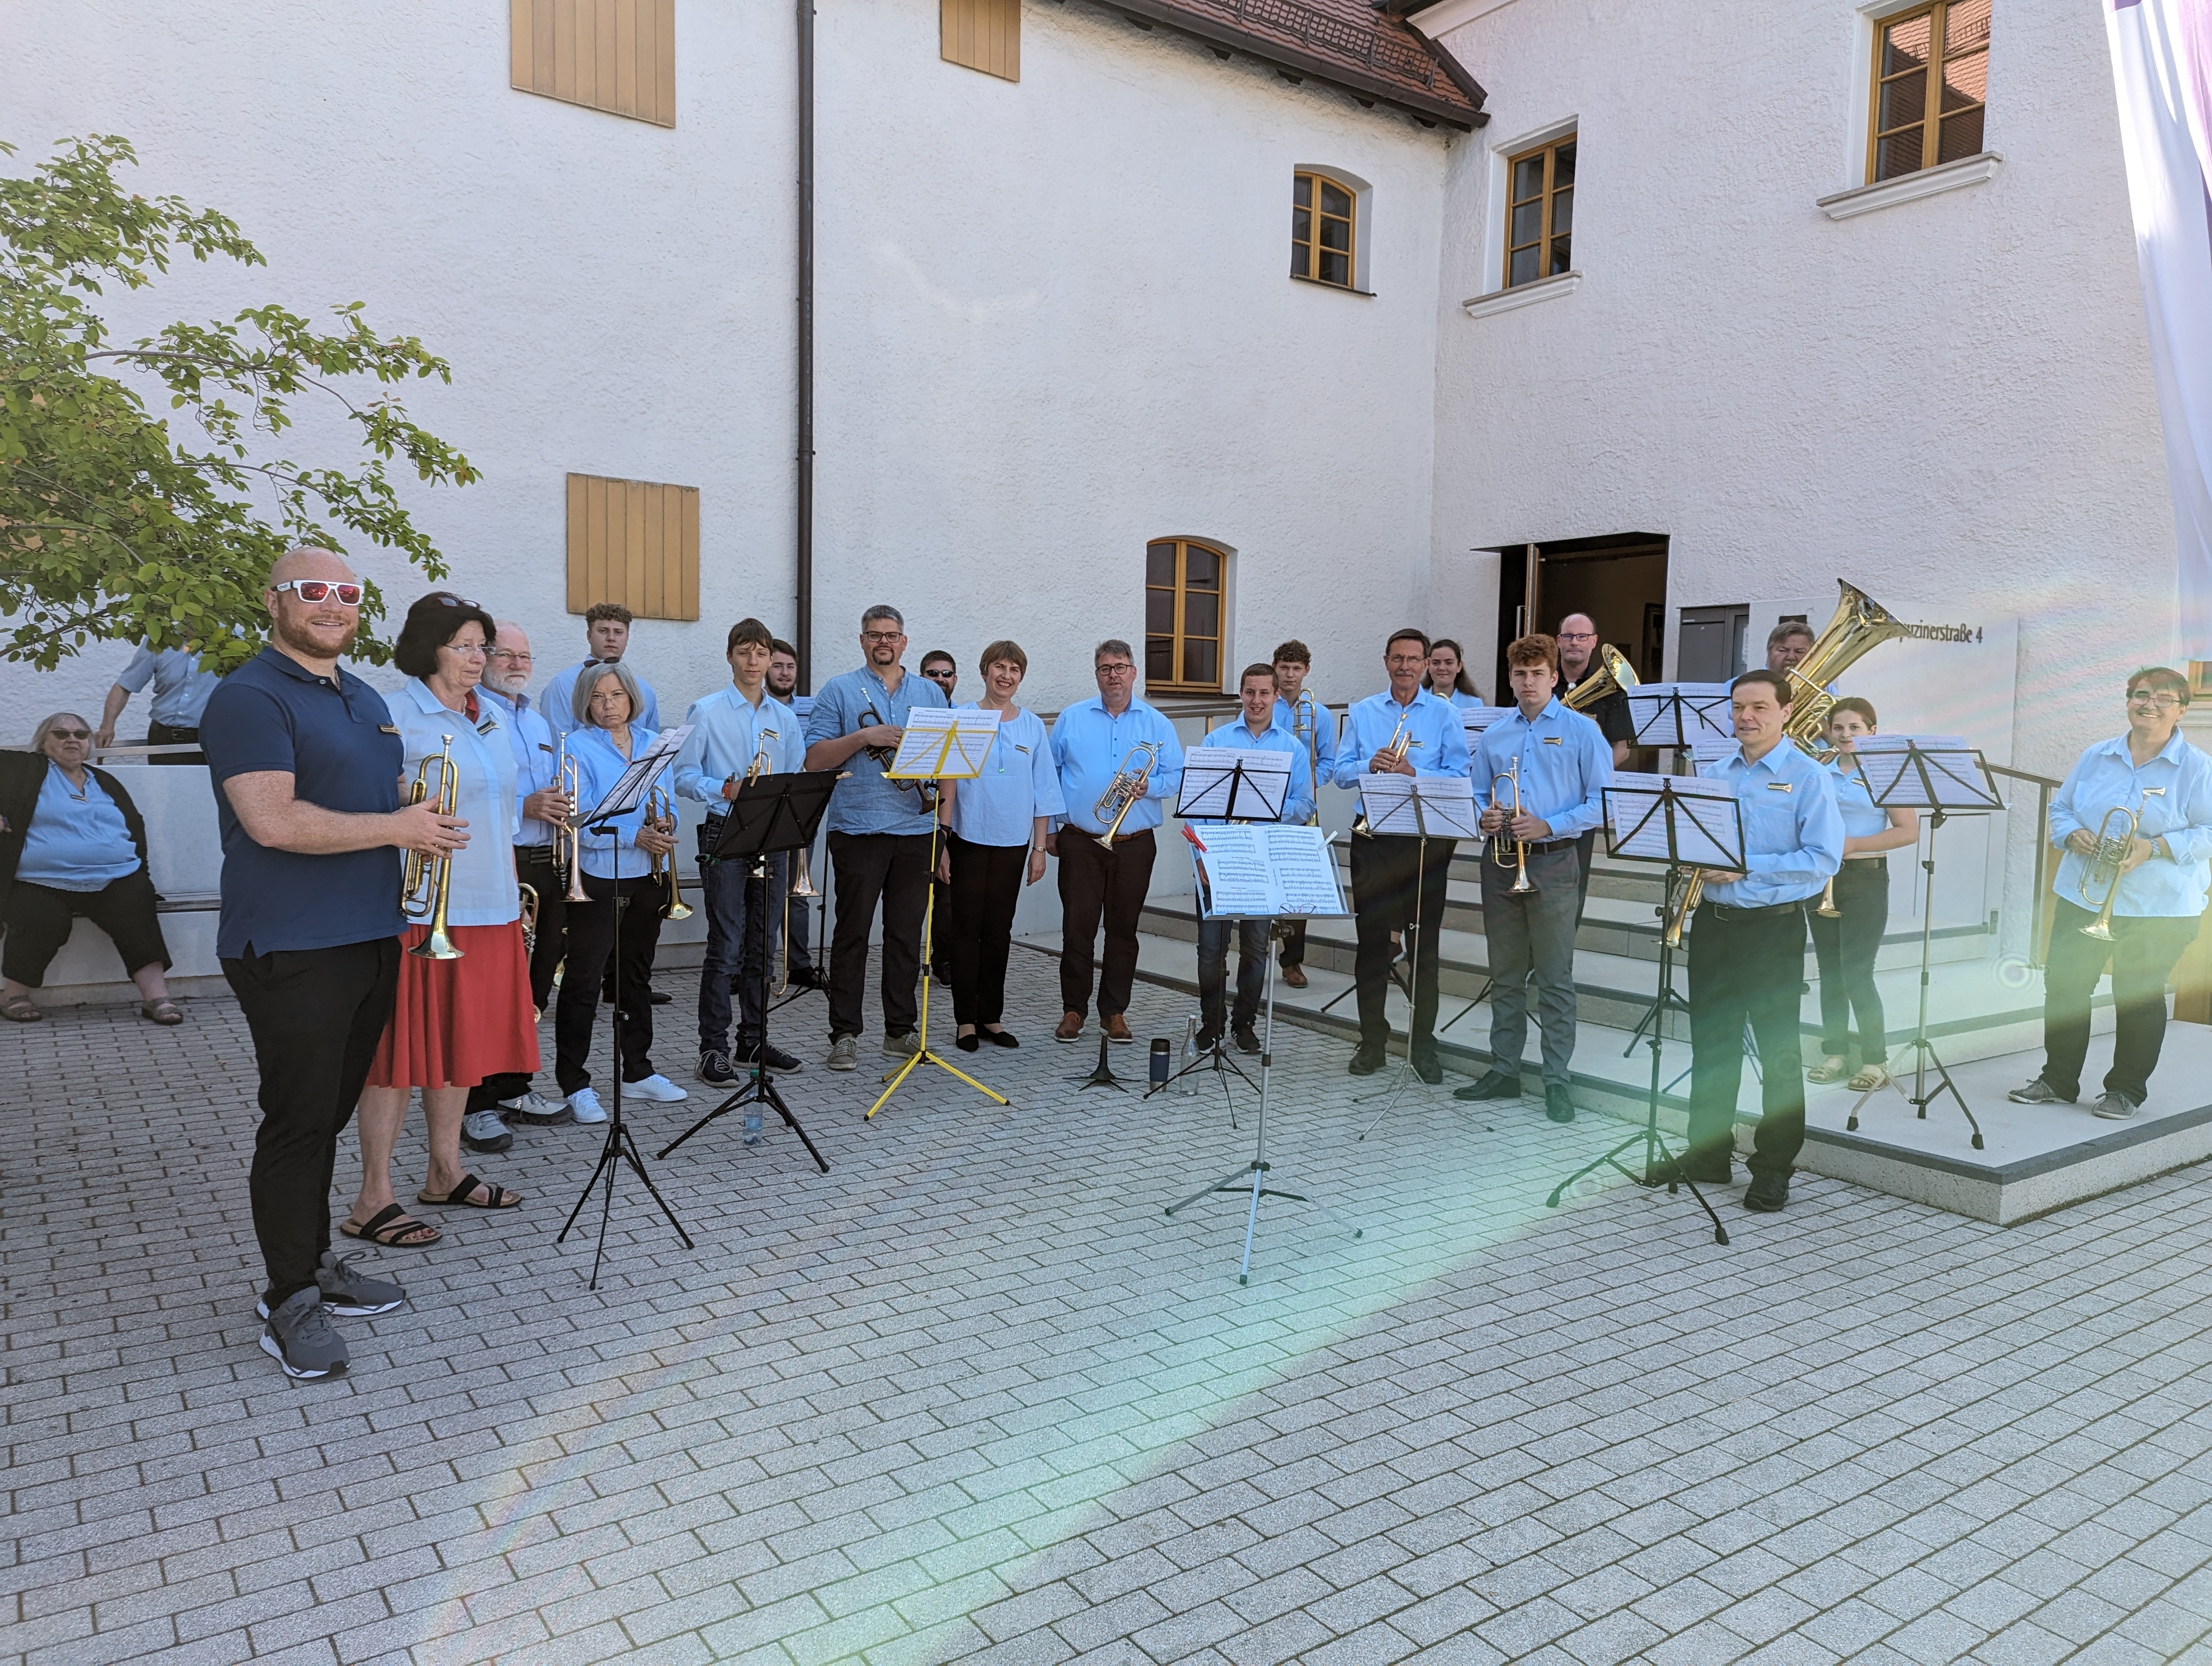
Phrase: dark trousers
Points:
(977, 931)
(737, 938)
(1213, 937)
(591, 951)
(2142, 952)
(1746, 964)
(533, 866)
(1533, 933)
(1390, 875)
(1294, 944)
(170, 734)
(1846, 947)
(40, 918)
(316, 1016)
(1101, 885)
(892, 868)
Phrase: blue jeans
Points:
(1214, 969)
(734, 917)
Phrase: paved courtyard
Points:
(971, 1396)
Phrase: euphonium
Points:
(427, 882)
(1521, 885)
(568, 841)
(1614, 673)
(1127, 787)
(1384, 762)
(662, 814)
(1860, 623)
(2104, 864)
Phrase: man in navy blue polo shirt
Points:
(308, 762)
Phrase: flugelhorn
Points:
(1384, 762)
(567, 839)
(1518, 858)
(2111, 850)
(1127, 787)
(661, 812)
(427, 882)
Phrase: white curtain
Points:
(2162, 67)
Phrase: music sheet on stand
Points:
(1680, 713)
(1234, 781)
(631, 785)
(1265, 868)
(1447, 805)
(1476, 718)
(1926, 772)
(1636, 826)
(944, 746)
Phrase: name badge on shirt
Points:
(487, 726)
(1021, 748)
(387, 728)
(543, 747)
(1778, 785)
(1553, 741)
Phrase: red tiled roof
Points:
(1346, 43)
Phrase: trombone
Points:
(1518, 858)
(426, 883)
(1305, 725)
(661, 812)
(1127, 787)
(2104, 864)
(568, 845)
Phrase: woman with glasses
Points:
(72, 846)
(1448, 679)
(617, 856)
(2157, 894)
(453, 1022)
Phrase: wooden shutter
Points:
(634, 542)
(618, 56)
(982, 34)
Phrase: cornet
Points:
(427, 882)
(662, 870)
(2104, 864)
(1518, 858)
(567, 843)
(1127, 787)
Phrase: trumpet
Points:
(1385, 761)
(762, 764)
(925, 791)
(527, 895)
(802, 886)
(1305, 725)
(2104, 864)
(1828, 910)
(1692, 888)
(568, 845)
(662, 814)
(1127, 787)
(1522, 885)
(427, 882)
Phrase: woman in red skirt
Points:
(455, 1022)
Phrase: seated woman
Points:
(453, 1022)
(616, 863)
(71, 844)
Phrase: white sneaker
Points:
(655, 1089)
(584, 1105)
(535, 1109)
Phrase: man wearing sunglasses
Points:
(2157, 894)
(307, 759)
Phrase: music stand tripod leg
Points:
(923, 1052)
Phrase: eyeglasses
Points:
(882, 636)
(515, 655)
(475, 648)
(2165, 702)
(1578, 636)
(316, 590)
(1115, 668)
(69, 734)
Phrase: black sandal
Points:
(496, 1197)
(392, 1228)
(20, 1009)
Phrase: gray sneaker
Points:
(2039, 1092)
(486, 1130)
(300, 1337)
(2113, 1106)
(901, 1046)
(844, 1054)
(347, 1293)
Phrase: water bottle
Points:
(1159, 1061)
(1189, 1054)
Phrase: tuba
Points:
(2104, 864)
(1859, 624)
(427, 882)
(1614, 674)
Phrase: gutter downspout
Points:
(803, 634)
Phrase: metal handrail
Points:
(2046, 905)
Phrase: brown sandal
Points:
(20, 1009)
(163, 1011)
(392, 1228)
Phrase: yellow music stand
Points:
(953, 754)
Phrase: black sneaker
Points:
(771, 1057)
(1208, 1040)
(715, 1069)
(1494, 1084)
(1559, 1104)
(300, 1336)
(1428, 1068)
(1768, 1193)
(1688, 1172)
(1247, 1040)
(1367, 1060)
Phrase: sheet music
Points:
(1712, 751)
(1680, 713)
(1446, 806)
(1475, 719)
(942, 744)
(1926, 772)
(1235, 782)
(630, 787)
(1263, 870)
(1708, 824)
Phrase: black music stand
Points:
(627, 794)
(1946, 778)
(1657, 824)
(771, 814)
(1418, 810)
(1672, 717)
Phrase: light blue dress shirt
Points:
(865, 802)
(598, 767)
(1565, 763)
(2105, 778)
(1862, 816)
(180, 687)
(536, 761)
(1793, 834)
(1297, 803)
(1324, 765)
(72, 843)
(1439, 740)
(557, 703)
(1088, 746)
(1019, 783)
(727, 733)
(1459, 698)
(482, 891)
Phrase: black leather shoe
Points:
(1769, 1194)
(999, 1037)
(1559, 1104)
(1427, 1069)
(1682, 1171)
(1208, 1040)
(1247, 1041)
(966, 1043)
(1494, 1084)
(659, 998)
(1367, 1060)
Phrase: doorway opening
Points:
(1620, 582)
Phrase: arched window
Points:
(1186, 587)
(1324, 220)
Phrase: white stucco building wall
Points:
(1948, 401)
(1053, 316)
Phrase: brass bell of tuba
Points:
(1859, 624)
(1613, 673)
